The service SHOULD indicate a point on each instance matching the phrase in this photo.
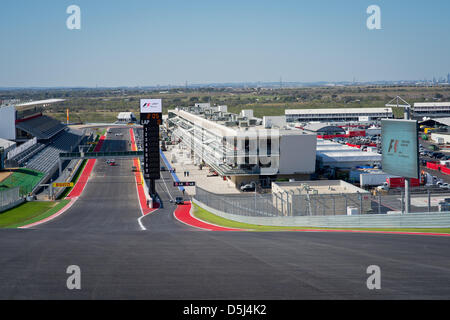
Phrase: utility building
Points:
(432, 109)
(341, 114)
(126, 117)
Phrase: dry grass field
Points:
(103, 105)
(4, 175)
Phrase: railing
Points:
(413, 220)
(291, 205)
(9, 198)
(94, 155)
(285, 204)
(323, 211)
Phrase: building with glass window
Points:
(240, 148)
(341, 114)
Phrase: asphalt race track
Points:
(100, 233)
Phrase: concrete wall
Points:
(11, 205)
(223, 108)
(274, 121)
(203, 105)
(296, 202)
(298, 154)
(8, 123)
(247, 113)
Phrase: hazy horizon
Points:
(148, 43)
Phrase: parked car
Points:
(384, 187)
(179, 200)
(248, 187)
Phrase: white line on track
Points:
(143, 228)
(141, 225)
(170, 195)
(142, 212)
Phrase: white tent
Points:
(126, 117)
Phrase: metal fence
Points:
(9, 197)
(291, 205)
(246, 205)
(412, 220)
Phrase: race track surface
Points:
(170, 260)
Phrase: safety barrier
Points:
(411, 220)
(10, 198)
(436, 166)
(432, 165)
(353, 145)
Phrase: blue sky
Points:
(145, 42)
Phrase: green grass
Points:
(212, 218)
(26, 179)
(398, 112)
(30, 212)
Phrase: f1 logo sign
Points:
(151, 106)
(393, 144)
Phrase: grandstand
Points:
(47, 159)
(41, 127)
(20, 159)
(40, 139)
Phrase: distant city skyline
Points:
(148, 43)
(267, 84)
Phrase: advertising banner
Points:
(62, 184)
(399, 145)
(151, 106)
(184, 184)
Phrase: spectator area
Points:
(23, 157)
(48, 157)
(42, 127)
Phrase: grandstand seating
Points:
(47, 159)
(21, 158)
(42, 127)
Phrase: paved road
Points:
(109, 200)
(170, 260)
